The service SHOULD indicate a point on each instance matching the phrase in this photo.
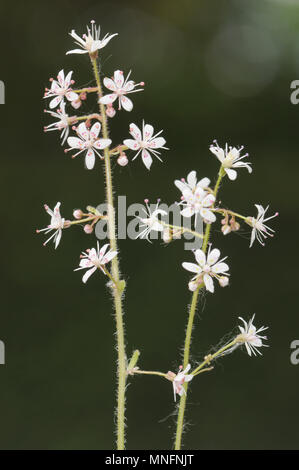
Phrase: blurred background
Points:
(219, 69)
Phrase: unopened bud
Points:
(78, 214)
(234, 225)
(88, 228)
(170, 375)
(110, 111)
(123, 160)
(223, 281)
(167, 235)
(76, 103)
(67, 224)
(193, 285)
(225, 229)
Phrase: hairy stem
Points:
(182, 405)
(115, 271)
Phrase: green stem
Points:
(182, 405)
(211, 357)
(117, 293)
(150, 372)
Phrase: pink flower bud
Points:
(110, 111)
(192, 286)
(123, 160)
(78, 214)
(223, 281)
(88, 228)
(225, 229)
(76, 103)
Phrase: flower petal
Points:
(148, 131)
(108, 99)
(119, 78)
(135, 131)
(88, 274)
(95, 130)
(192, 267)
(126, 103)
(89, 159)
(83, 131)
(200, 257)
(208, 283)
(75, 142)
(220, 268)
(102, 143)
(132, 144)
(109, 83)
(157, 143)
(55, 102)
(213, 256)
(232, 174)
(146, 158)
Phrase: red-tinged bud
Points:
(76, 103)
(110, 111)
(88, 228)
(123, 160)
(78, 214)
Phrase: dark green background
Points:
(213, 69)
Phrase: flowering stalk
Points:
(182, 405)
(117, 292)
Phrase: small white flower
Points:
(95, 259)
(250, 336)
(192, 184)
(179, 380)
(208, 267)
(91, 41)
(60, 89)
(57, 224)
(145, 142)
(151, 221)
(88, 140)
(61, 125)
(195, 199)
(260, 231)
(120, 88)
(230, 158)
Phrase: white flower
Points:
(120, 88)
(61, 125)
(95, 259)
(207, 268)
(179, 380)
(192, 184)
(230, 158)
(57, 223)
(151, 221)
(259, 229)
(91, 42)
(250, 336)
(88, 140)
(60, 89)
(145, 142)
(195, 199)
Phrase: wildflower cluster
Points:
(87, 135)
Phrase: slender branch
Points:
(87, 90)
(150, 372)
(182, 405)
(115, 272)
(211, 357)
